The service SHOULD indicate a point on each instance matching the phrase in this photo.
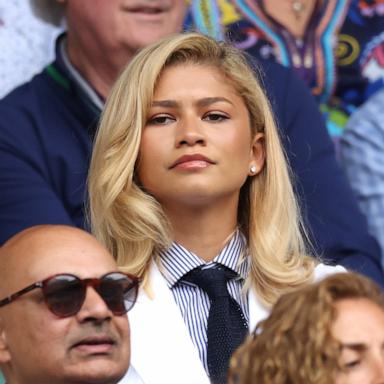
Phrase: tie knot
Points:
(211, 280)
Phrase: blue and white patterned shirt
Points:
(362, 156)
(192, 301)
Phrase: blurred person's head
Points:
(103, 36)
(328, 332)
(152, 119)
(56, 327)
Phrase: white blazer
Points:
(162, 351)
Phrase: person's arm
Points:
(362, 156)
(337, 228)
(27, 195)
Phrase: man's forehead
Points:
(47, 250)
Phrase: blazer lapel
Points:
(257, 311)
(161, 348)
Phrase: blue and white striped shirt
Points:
(193, 302)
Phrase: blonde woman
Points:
(189, 188)
(331, 332)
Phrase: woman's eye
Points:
(215, 117)
(161, 120)
(352, 364)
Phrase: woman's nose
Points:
(190, 132)
(377, 367)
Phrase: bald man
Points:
(72, 328)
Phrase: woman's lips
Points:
(188, 162)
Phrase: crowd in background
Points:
(321, 65)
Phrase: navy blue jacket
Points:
(46, 132)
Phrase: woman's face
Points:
(197, 146)
(359, 327)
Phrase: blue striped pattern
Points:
(209, 24)
(194, 303)
(328, 45)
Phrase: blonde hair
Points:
(131, 223)
(295, 345)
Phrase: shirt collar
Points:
(76, 76)
(177, 260)
(81, 97)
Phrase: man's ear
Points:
(5, 355)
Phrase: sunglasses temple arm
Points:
(25, 290)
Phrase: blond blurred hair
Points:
(132, 224)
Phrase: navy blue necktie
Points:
(227, 326)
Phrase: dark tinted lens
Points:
(119, 292)
(64, 295)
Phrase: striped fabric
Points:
(194, 303)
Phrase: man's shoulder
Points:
(32, 103)
(37, 104)
(291, 100)
(37, 90)
(271, 74)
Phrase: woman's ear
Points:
(257, 158)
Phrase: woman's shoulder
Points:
(323, 270)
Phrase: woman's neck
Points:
(205, 230)
(293, 15)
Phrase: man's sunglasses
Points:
(64, 294)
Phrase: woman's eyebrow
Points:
(165, 103)
(358, 347)
(203, 102)
(211, 100)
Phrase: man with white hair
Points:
(48, 124)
